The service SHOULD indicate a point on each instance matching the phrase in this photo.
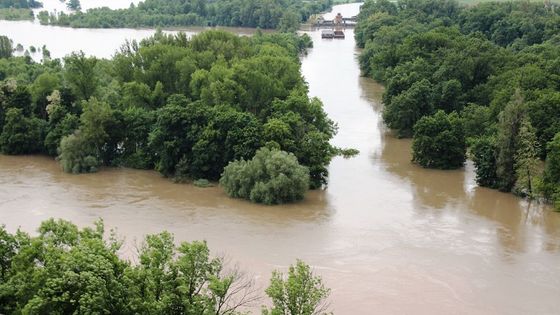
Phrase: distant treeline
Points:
(266, 14)
(11, 14)
(20, 4)
(13, 10)
(484, 78)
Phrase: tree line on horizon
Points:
(479, 81)
(285, 15)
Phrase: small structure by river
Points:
(337, 31)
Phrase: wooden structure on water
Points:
(332, 34)
(337, 29)
(338, 20)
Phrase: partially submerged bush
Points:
(77, 155)
(439, 141)
(271, 177)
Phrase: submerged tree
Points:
(21, 135)
(526, 160)
(74, 5)
(439, 141)
(6, 48)
(506, 142)
(483, 154)
(551, 176)
(271, 177)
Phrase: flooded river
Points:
(388, 237)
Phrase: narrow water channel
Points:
(388, 237)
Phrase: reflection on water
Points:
(387, 236)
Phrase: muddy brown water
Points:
(387, 236)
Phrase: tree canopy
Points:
(439, 141)
(494, 64)
(68, 270)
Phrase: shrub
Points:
(77, 155)
(271, 177)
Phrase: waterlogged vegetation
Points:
(67, 270)
(20, 4)
(13, 10)
(185, 107)
(270, 177)
(276, 14)
(485, 76)
(12, 14)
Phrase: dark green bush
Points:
(439, 141)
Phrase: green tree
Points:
(408, 107)
(477, 120)
(60, 122)
(289, 22)
(135, 151)
(551, 175)
(42, 87)
(526, 160)
(439, 141)
(506, 142)
(74, 5)
(78, 155)
(83, 151)
(483, 153)
(64, 270)
(300, 292)
(21, 135)
(6, 48)
(271, 177)
(79, 73)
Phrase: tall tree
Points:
(526, 160)
(74, 5)
(506, 143)
(5, 47)
(80, 74)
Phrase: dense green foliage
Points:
(298, 293)
(439, 141)
(185, 107)
(67, 270)
(74, 5)
(12, 14)
(496, 64)
(6, 48)
(270, 14)
(271, 177)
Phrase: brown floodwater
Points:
(387, 236)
